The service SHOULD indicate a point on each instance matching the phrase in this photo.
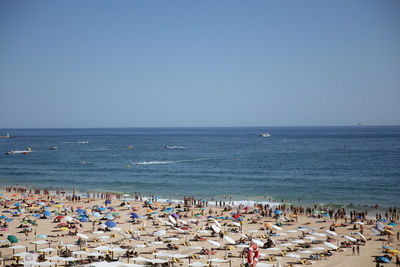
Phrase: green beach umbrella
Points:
(12, 239)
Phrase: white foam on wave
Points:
(176, 147)
(73, 142)
(168, 161)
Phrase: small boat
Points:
(265, 135)
(5, 136)
(53, 148)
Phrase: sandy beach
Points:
(52, 229)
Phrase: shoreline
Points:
(372, 210)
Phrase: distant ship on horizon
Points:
(359, 124)
(6, 136)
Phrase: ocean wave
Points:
(73, 142)
(168, 161)
(176, 147)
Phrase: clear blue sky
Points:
(199, 63)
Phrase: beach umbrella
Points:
(160, 233)
(175, 215)
(384, 259)
(331, 232)
(47, 213)
(362, 236)
(12, 238)
(276, 227)
(258, 242)
(134, 215)
(198, 264)
(293, 255)
(350, 238)
(214, 243)
(171, 219)
(110, 224)
(216, 228)
(110, 217)
(392, 224)
(278, 212)
(82, 236)
(42, 236)
(332, 246)
(83, 219)
(230, 240)
(96, 214)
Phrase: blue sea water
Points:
(331, 165)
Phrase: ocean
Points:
(337, 166)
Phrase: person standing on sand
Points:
(354, 251)
(358, 250)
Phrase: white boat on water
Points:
(265, 135)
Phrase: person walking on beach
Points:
(354, 251)
(358, 250)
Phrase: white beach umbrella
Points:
(155, 261)
(273, 249)
(319, 234)
(258, 242)
(350, 238)
(328, 244)
(230, 240)
(160, 233)
(171, 219)
(216, 228)
(261, 264)
(98, 232)
(47, 249)
(293, 255)
(214, 243)
(179, 230)
(362, 236)
(217, 223)
(331, 232)
(276, 227)
(82, 236)
(198, 264)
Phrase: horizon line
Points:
(149, 127)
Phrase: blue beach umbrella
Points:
(42, 236)
(110, 217)
(278, 212)
(392, 224)
(107, 201)
(17, 204)
(47, 213)
(384, 259)
(36, 215)
(83, 219)
(134, 215)
(110, 224)
(150, 202)
(101, 209)
(96, 214)
(80, 211)
(3, 217)
(9, 220)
